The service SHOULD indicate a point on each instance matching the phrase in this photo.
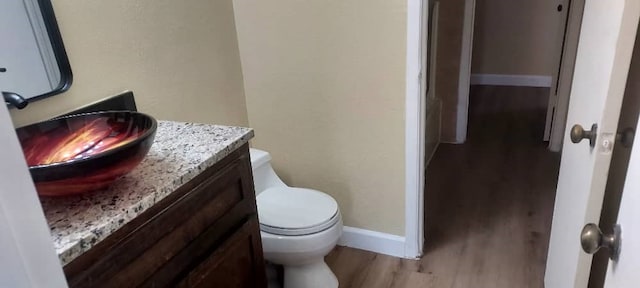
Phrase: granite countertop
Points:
(179, 153)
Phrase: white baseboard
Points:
(511, 80)
(381, 243)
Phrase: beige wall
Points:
(516, 37)
(180, 58)
(325, 90)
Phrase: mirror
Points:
(33, 61)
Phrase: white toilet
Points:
(298, 226)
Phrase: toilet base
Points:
(312, 275)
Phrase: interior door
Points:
(624, 271)
(558, 35)
(602, 64)
(561, 88)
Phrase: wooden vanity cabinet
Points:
(205, 234)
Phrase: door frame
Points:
(415, 109)
(415, 116)
(415, 163)
(565, 77)
(464, 80)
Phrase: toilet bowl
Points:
(299, 226)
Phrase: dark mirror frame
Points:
(66, 77)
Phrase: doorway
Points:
(530, 43)
(489, 201)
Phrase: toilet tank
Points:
(264, 176)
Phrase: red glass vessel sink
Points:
(85, 152)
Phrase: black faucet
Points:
(14, 99)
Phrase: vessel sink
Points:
(85, 152)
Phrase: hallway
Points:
(488, 204)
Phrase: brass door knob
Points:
(592, 239)
(578, 134)
(625, 137)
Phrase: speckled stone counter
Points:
(180, 152)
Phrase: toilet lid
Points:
(295, 211)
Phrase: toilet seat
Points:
(292, 211)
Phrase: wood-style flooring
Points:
(488, 204)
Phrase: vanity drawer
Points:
(175, 234)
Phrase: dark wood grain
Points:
(201, 213)
(80, 264)
(162, 245)
(231, 261)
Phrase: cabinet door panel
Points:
(169, 246)
(237, 263)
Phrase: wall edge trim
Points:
(373, 241)
(464, 78)
(415, 108)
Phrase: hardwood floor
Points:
(488, 204)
